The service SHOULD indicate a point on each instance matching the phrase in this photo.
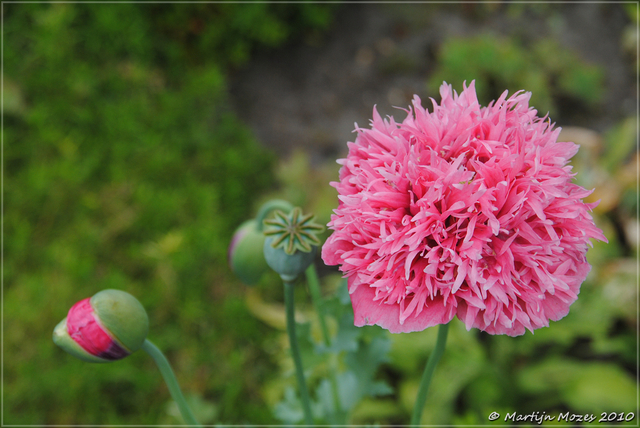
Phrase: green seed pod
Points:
(291, 242)
(288, 266)
(245, 253)
(106, 327)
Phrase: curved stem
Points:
(316, 298)
(272, 205)
(170, 380)
(295, 351)
(428, 373)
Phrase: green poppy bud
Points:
(106, 327)
(245, 253)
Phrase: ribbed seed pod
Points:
(291, 242)
(288, 266)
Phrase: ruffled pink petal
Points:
(369, 312)
(85, 329)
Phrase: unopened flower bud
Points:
(106, 327)
(245, 253)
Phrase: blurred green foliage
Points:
(123, 168)
(552, 74)
(354, 357)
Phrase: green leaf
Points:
(290, 409)
(584, 387)
(346, 339)
(600, 387)
(365, 362)
(620, 143)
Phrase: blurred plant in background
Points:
(124, 168)
(552, 74)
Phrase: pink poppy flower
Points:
(467, 211)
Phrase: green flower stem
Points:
(171, 381)
(268, 207)
(295, 351)
(428, 373)
(316, 297)
(314, 289)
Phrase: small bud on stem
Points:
(106, 327)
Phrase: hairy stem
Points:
(428, 373)
(170, 380)
(316, 298)
(295, 351)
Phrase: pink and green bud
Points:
(106, 327)
(245, 253)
